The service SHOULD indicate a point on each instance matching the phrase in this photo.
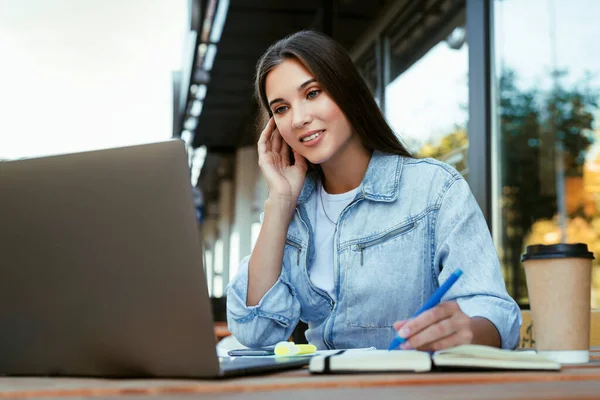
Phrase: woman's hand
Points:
(439, 328)
(284, 180)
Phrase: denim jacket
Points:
(412, 223)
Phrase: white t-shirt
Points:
(329, 208)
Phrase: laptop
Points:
(101, 269)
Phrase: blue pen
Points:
(432, 302)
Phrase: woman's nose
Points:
(301, 117)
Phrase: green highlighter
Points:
(292, 349)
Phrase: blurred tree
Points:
(522, 198)
(531, 122)
(570, 118)
(455, 140)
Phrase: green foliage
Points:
(452, 141)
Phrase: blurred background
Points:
(506, 91)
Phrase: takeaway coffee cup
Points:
(559, 284)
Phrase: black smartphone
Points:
(265, 351)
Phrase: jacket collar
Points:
(380, 182)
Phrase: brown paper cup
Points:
(559, 284)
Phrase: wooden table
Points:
(573, 382)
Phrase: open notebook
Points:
(465, 356)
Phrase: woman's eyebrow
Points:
(308, 82)
(302, 86)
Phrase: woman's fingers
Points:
(440, 327)
(264, 140)
(285, 152)
(399, 324)
(428, 318)
(276, 141)
(431, 334)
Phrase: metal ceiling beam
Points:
(272, 11)
(383, 19)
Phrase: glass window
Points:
(427, 104)
(548, 85)
(367, 66)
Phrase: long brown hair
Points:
(333, 68)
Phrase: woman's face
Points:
(307, 118)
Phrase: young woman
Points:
(357, 234)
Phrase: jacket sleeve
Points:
(463, 240)
(272, 320)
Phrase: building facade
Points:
(506, 91)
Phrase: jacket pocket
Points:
(385, 277)
(361, 246)
(315, 303)
(297, 249)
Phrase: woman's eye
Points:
(280, 110)
(313, 93)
